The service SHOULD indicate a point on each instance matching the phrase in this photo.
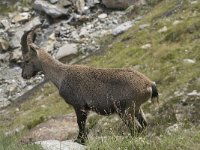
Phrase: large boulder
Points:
(60, 145)
(58, 128)
(122, 4)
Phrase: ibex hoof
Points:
(80, 141)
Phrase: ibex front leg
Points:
(81, 120)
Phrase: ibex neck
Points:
(52, 69)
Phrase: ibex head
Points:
(30, 60)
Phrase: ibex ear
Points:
(33, 49)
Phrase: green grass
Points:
(43, 105)
(12, 7)
(12, 143)
(163, 63)
(184, 139)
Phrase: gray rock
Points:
(5, 23)
(144, 26)
(189, 61)
(102, 16)
(54, 11)
(66, 50)
(174, 128)
(58, 128)
(122, 4)
(21, 17)
(65, 3)
(79, 5)
(84, 32)
(16, 55)
(194, 93)
(122, 28)
(4, 102)
(63, 145)
(4, 57)
(15, 41)
(163, 30)
(92, 3)
(53, 1)
(4, 45)
(25, 9)
(146, 46)
(176, 22)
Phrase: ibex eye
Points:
(26, 61)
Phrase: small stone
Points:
(79, 5)
(189, 61)
(11, 90)
(53, 1)
(92, 3)
(194, 2)
(4, 57)
(4, 45)
(162, 30)
(25, 9)
(178, 93)
(146, 46)
(16, 55)
(52, 37)
(144, 26)
(122, 28)
(43, 106)
(5, 23)
(173, 128)
(122, 4)
(21, 17)
(102, 16)
(83, 33)
(193, 93)
(65, 3)
(176, 22)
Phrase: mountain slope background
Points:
(165, 46)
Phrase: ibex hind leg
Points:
(139, 114)
(128, 116)
(81, 120)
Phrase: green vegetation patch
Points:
(186, 139)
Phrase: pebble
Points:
(163, 30)
(102, 16)
(146, 46)
(189, 61)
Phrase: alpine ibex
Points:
(105, 91)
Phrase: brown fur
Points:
(105, 91)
